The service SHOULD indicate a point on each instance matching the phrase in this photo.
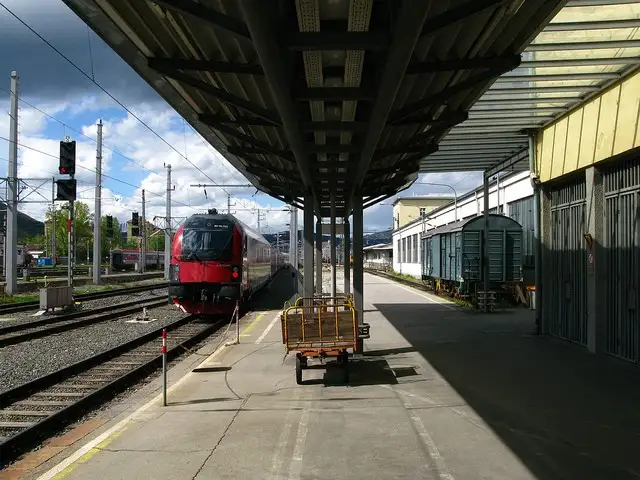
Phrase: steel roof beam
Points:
(222, 95)
(307, 41)
(528, 90)
(462, 64)
(592, 25)
(488, 101)
(580, 62)
(446, 118)
(267, 148)
(455, 15)
(410, 20)
(445, 94)
(331, 126)
(262, 25)
(242, 151)
(558, 77)
(598, 44)
(508, 163)
(200, 12)
(336, 94)
(406, 148)
(213, 119)
(158, 63)
(333, 148)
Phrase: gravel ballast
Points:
(26, 317)
(29, 360)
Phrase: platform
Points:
(441, 393)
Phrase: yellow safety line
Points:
(247, 331)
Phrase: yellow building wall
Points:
(408, 210)
(605, 126)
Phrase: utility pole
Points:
(53, 219)
(228, 204)
(143, 237)
(258, 220)
(167, 234)
(11, 250)
(70, 249)
(97, 222)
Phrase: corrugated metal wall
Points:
(622, 246)
(565, 269)
(522, 211)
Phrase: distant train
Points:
(123, 260)
(452, 256)
(217, 260)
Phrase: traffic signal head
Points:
(134, 218)
(109, 226)
(66, 190)
(67, 158)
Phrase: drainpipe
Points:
(537, 234)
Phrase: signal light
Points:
(66, 190)
(67, 158)
(235, 274)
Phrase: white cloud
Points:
(148, 155)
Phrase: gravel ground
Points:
(26, 317)
(29, 360)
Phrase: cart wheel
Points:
(298, 370)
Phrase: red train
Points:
(216, 260)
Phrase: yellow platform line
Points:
(247, 331)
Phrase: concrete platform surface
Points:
(441, 393)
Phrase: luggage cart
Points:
(322, 327)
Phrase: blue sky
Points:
(133, 156)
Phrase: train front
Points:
(205, 275)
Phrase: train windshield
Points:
(213, 241)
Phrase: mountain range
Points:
(27, 226)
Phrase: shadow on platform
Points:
(564, 412)
(273, 296)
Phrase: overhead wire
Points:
(92, 80)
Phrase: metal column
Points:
(485, 244)
(347, 255)
(167, 233)
(319, 256)
(11, 249)
(97, 216)
(333, 247)
(537, 239)
(358, 271)
(53, 219)
(308, 246)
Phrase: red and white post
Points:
(237, 314)
(164, 367)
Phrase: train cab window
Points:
(208, 240)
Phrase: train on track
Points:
(123, 260)
(452, 256)
(216, 261)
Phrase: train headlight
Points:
(174, 272)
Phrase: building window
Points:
(399, 252)
(415, 248)
(404, 250)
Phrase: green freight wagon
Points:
(452, 254)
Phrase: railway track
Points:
(25, 306)
(29, 412)
(12, 334)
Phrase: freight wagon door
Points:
(471, 255)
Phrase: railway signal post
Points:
(10, 253)
(67, 191)
(97, 222)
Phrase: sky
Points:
(56, 100)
